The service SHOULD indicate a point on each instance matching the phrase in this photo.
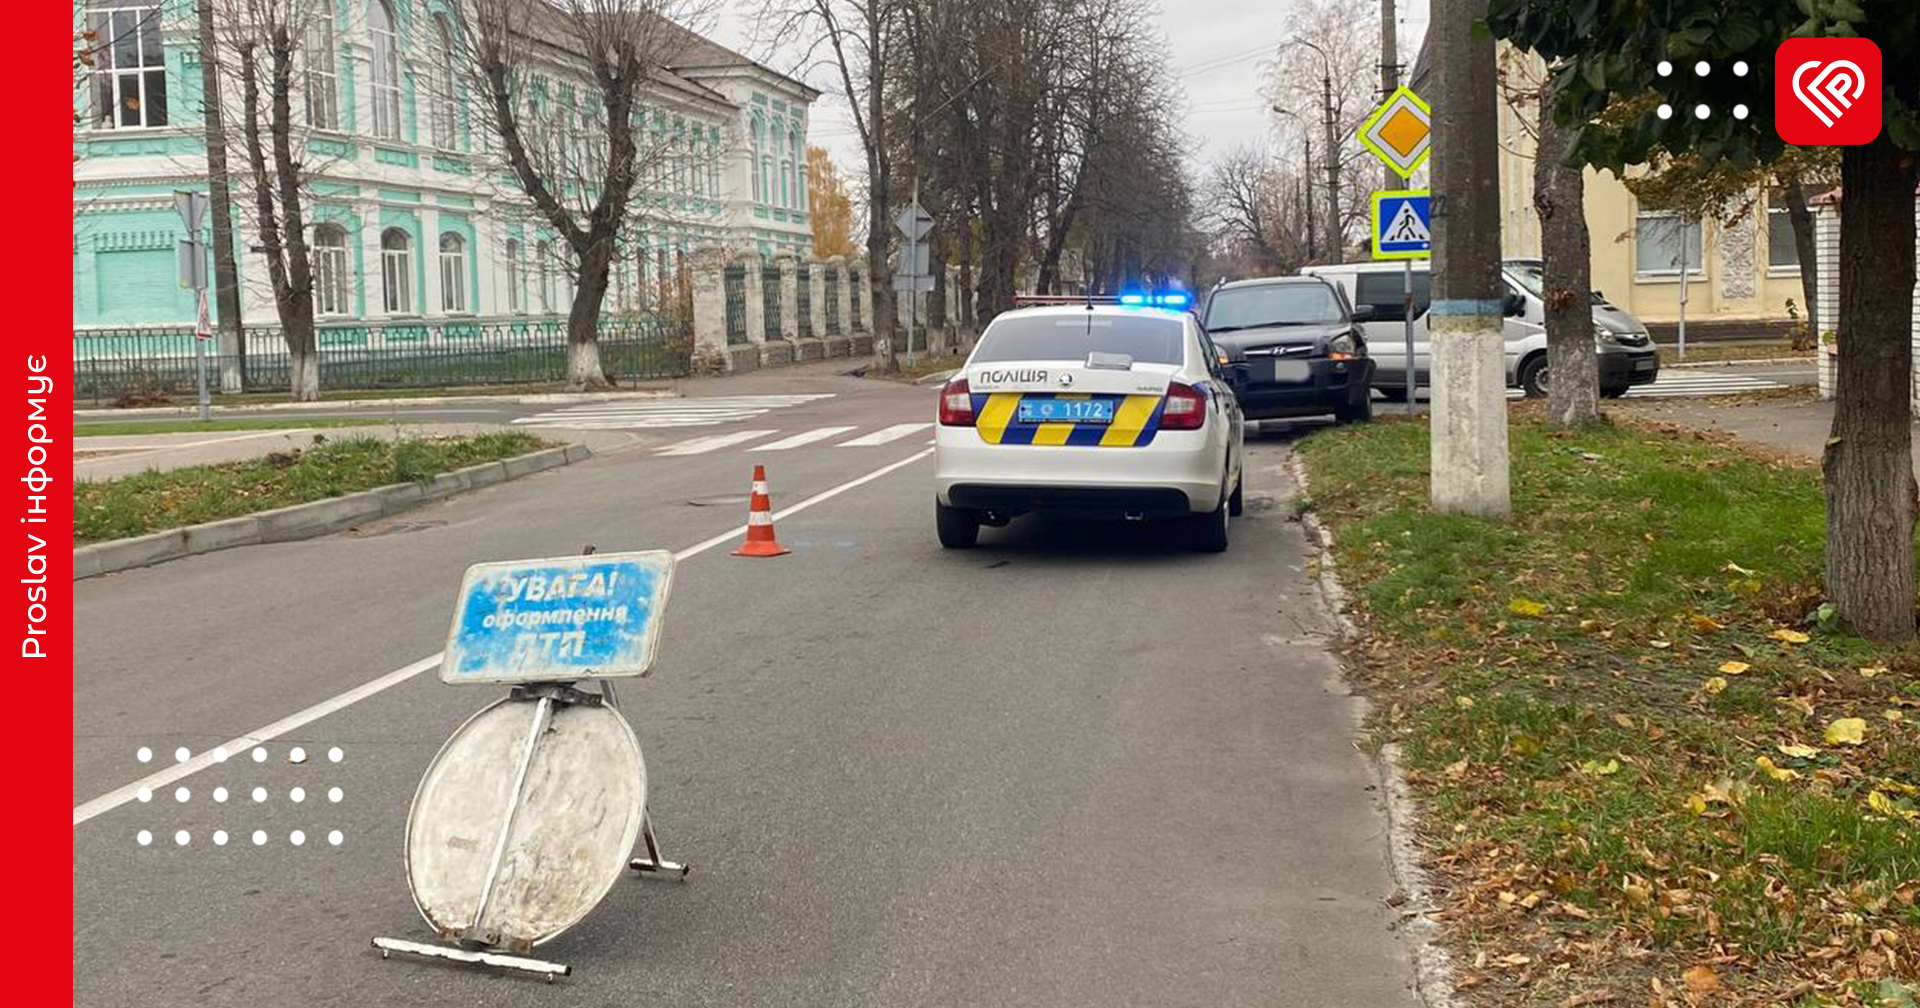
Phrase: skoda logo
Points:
(1066, 380)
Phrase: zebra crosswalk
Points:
(1676, 383)
(644, 414)
(716, 442)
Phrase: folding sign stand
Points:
(549, 769)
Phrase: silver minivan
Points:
(1626, 354)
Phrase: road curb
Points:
(532, 399)
(315, 518)
(1740, 363)
(1432, 964)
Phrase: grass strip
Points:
(1650, 762)
(154, 500)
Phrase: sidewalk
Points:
(1797, 424)
(99, 458)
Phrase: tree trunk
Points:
(584, 372)
(304, 367)
(226, 282)
(965, 295)
(1801, 217)
(1573, 387)
(1869, 457)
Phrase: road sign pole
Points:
(1406, 313)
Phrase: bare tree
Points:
(561, 86)
(1243, 198)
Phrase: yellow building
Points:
(1746, 271)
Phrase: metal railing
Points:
(803, 299)
(770, 299)
(853, 281)
(833, 302)
(733, 280)
(152, 364)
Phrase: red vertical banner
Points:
(36, 372)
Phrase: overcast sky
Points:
(1215, 50)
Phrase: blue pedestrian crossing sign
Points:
(1402, 224)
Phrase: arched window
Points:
(786, 182)
(543, 275)
(453, 272)
(396, 271)
(386, 70)
(332, 281)
(129, 74)
(759, 182)
(515, 303)
(322, 69)
(446, 114)
(766, 169)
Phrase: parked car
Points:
(1626, 354)
(1296, 345)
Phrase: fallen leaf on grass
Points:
(1624, 721)
(1660, 644)
(1734, 568)
(1526, 607)
(1592, 997)
(1789, 636)
(1697, 804)
(1847, 731)
(1776, 772)
(1598, 769)
(1870, 671)
(1797, 750)
(1893, 715)
(1879, 802)
(1704, 624)
(1734, 667)
(1714, 686)
(1701, 981)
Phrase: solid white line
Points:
(238, 748)
(804, 437)
(702, 445)
(884, 435)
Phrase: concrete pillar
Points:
(430, 258)
(755, 294)
(1469, 445)
(789, 298)
(818, 298)
(709, 304)
(846, 296)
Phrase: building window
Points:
(446, 106)
(129, 69)
(1782, 253)
(786, 182)
(514, 303)
(1661, 239)
(396, 271)
(453, 273)
(753, 163)
(766, 169)
(322, 70)
(332, 281)
(543, 275)
(799, 173)
(386, 71)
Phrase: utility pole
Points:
(1333, 165)
(226, 280)
(1309, 207)
(1469, 414)
(1389, 73)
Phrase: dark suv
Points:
(1295, 346)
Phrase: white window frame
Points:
(1690, 229)
(453, 274)
(396, 272)
(385, 70)
(332, 277)
(446, 116)
(112, 82)
(1781, 269)
(322, 81)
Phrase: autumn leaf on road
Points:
(1847, 731)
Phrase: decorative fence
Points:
(152, 363)
(803, 296)
(770, 301)
(853, 282)
(833, 302)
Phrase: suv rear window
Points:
(1072, 337)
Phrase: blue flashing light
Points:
(1133, 299)
(1175, 300)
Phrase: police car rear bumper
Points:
(1179, 473)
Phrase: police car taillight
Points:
(956, 404)
(1185, 409)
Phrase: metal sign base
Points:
(478, 951)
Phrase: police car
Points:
(1092, 407)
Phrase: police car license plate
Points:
(1065, 411)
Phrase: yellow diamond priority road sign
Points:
(1400, 132)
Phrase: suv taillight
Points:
(1185, 409)
(956, 404)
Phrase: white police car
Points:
(1104, 408)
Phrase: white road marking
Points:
(884, 435)
(646, 413)
(702, 445)
(802, 438)
(1676, 385)
(159, 779)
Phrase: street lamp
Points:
(1306, 138)
(1332, 141)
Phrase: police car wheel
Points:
(1208, 531)
(959, 528)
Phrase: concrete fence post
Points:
(755, 295)
(789, 298)
(704, 266)
(838, 344)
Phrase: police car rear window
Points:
(1073, 337)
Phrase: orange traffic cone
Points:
(760, 541)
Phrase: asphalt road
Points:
(1076, 766)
